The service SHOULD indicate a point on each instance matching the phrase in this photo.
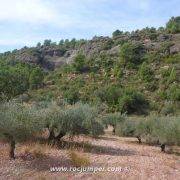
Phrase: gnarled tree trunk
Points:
(53, 138)
(60, 135)
(114, 130)
(139, 139)
(12, 145)
(12, 149)
(163, 146)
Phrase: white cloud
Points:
(32, 11)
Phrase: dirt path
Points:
(135, 162)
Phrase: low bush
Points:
(145, 73)
(35, 149)
(172, 59)
(132, 54)
(168, 109)
(78, 159)
(132, 102)
(127, 128)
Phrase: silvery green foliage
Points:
(165, 130)
(19, 121)
(113, 119)
(73, 119)
(127, 128)
(83, 119)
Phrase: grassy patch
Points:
(79, 159)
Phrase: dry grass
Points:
(79, 159)
(35, 149)
(4, 150)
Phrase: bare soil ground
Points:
(137, 161)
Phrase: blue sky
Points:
(26, 22)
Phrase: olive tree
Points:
(18, 123)
(160, 130)
(128, 128)
(72, 120)
(167, 131)
(113, 119)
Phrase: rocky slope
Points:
(53, 56)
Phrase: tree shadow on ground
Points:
(44, 163)
(107, 138)
(96, 149)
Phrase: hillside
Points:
(142, 65)
(135, 72)
(105, 102)
(52, 55)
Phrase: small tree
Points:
(131, 54)
(13, 79)
(72, 95)
(38, 45)
(79, 63)
(173, 25)
(145, 73)
(47, 42)
(167, 131)
(36, 78)
(117, 33)
(73, 120)
(128, 128)
(18, 123)
(113, 119)
(160, 130)
(132, 101)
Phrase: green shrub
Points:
(79, 63)
(72, 95)
(117, 72)
(165, 48)
(152, 57)
(167, 131)
(169, 75)
(145, 72)
(132, 102)
(36, 78)
(117, 33)
(131, 54)
(168, 109)
(127, 128)
(173, 25)
(145, 130)
(109, 94)
(173, 93)
(175, 58)
(14, 79)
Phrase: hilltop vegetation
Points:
(135, 72)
